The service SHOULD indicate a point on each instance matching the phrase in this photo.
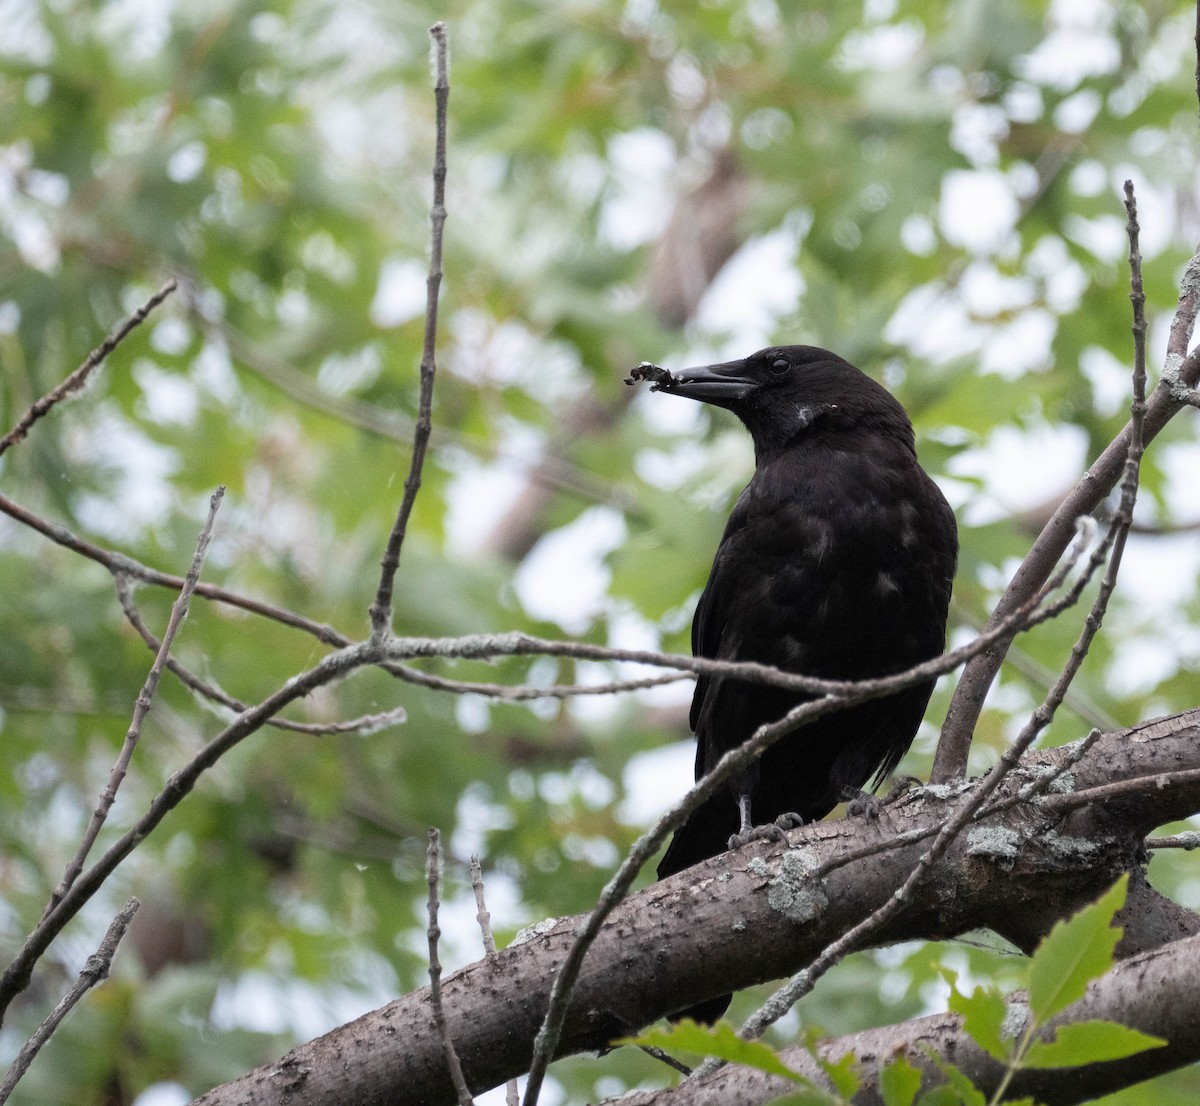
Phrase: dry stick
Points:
(381, 608)
(804, 981)
(94, 971)
(519, 693)
(75, 382)
(737, 760)
(141, 707)
(481, 911)
(516, 644)
(210, 694)
(1026, 794)
(1188, 841)
(512, 1096)
(118, 563)
(333, 667)
(1197, 41)
(1180, 373)
(434, 933)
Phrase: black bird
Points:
(837, 561)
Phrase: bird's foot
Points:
(771, 831)
(860, 803)
(901, 785)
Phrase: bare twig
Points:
(381, 608)
(1188, 840)
(75, 382)
(141, 707)
(329, 669)
(517, 693)
(434, 932)
(94, 971)
(481, 911)
(1107, 792)
(1122, 518)
(512, 1096)
(118, 563)
(1032, 612)
(207, 692)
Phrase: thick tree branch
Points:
(757, 914)
(1158, 993)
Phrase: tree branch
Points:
(1180, 373)
(76, 381)
(756, 914)
(141, 708)
(381, 608)
(95, 971)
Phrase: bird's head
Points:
(783, 392)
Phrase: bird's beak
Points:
(721, 385)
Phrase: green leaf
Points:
(945, 1095)
(983, 1013)
(1077, 951)
(1089, 1042)
(718, 1041)
(959, 1091)
(842, 1073)
(899, 1083)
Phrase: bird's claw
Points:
(860, 803)
(771, 831)
(901, 785)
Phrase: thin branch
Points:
(1188, 840)
(210, 694)
(76, 381)
(434, 933)
(1122, 789)
(518, 693)
(94, 971)
(381, 608)
(481, 911)
(141, 707)
(329, 669)
(1180, 372)
(512, 1096)
(1031, 613)
(118, 563)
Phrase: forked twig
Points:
(94, 971)
(141, 708)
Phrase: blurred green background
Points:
(932, 189)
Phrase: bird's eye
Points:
(779, 366)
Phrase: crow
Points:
(837, 561)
